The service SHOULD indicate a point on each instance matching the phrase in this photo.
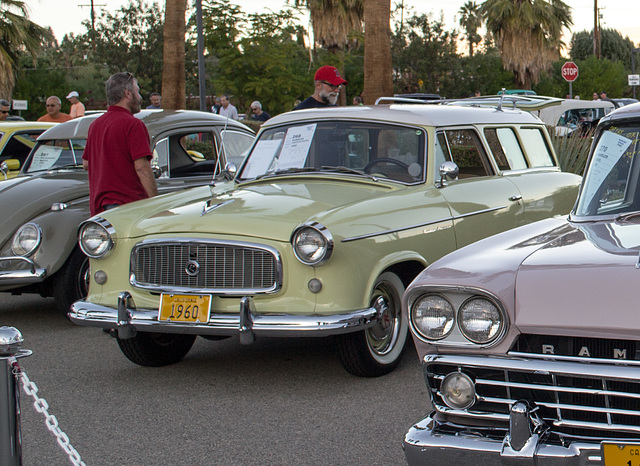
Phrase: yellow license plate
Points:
(621, 454)
(184, 308)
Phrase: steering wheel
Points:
(368, 166)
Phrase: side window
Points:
(192, 154)
(467, 152)
(536, 148)
(505, 148)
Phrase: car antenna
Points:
(504, 91)
(222, 152)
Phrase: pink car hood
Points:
(584, 283)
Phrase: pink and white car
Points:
(530, 339)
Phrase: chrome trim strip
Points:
(216, 291)
(421, 225)
(276, 325)
(583, 360)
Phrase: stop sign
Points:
(570, 71)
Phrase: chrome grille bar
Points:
(187, 265)
(608, 402)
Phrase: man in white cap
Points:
(77, 107)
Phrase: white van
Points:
(572, 114)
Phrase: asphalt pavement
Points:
(276, 402)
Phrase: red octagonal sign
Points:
(570, 71)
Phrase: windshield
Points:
(378, 149)
(55, 154)
(611, 184)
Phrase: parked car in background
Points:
(40, 210)
(529, 340)
(624, 101)
(17, 138)
(334, 212)
(575, 115)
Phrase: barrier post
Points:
(10, 437)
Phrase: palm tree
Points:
(378, 81)
(336, 23)
(17, 34)
(471, 21)
(528, 33)
(173, 71)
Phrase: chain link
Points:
(51, 422)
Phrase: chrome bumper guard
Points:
(435, 441)
(127, 319)
(21, 277)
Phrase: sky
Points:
(66, 16)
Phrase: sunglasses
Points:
(4, 111)
(52, 105)
(332, 86)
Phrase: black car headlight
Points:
(312, 244)
(26, 240)
(96, 238)
(433, 316)
(480, 320)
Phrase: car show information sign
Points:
(296, 146)
(610, 149)
(45, 157)
(262, 158)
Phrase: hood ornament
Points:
(208, 206)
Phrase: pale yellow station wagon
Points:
(332, 214)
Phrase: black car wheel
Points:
(71, 282)
(156, 349)
(377, 350)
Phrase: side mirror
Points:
(448, 171)
(230, 171)
(9, 164)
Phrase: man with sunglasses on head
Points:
(118, 155)
(54, 115)
(328, 82)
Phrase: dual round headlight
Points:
(95, 238)
(312, 244)
(479, 319)
(26, 240)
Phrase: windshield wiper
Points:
(55, 167)
(286, 171)
(343, 169)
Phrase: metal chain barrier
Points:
(51, 422)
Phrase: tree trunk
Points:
(378, 81)
(173, 71)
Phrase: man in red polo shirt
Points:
(117, 155)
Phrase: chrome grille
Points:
(194, 266)
(574, 398)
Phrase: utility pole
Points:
(596, 29)
(93, 13)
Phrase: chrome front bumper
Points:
(436, 441)
(13, 278)
(248, 324)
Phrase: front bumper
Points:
(15, 278)
(436, 441)
(248, 324)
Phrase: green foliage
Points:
(594, 76)
(572, 151)
(613, 46)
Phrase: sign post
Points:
(570, 73)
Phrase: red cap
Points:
(329, 74)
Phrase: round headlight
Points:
(95, 239)
(458, 391)
(432, 316)
(312, 244)
(480, 320)
(26, 240)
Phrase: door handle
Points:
(515, 198)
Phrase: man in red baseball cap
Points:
(328, 83)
